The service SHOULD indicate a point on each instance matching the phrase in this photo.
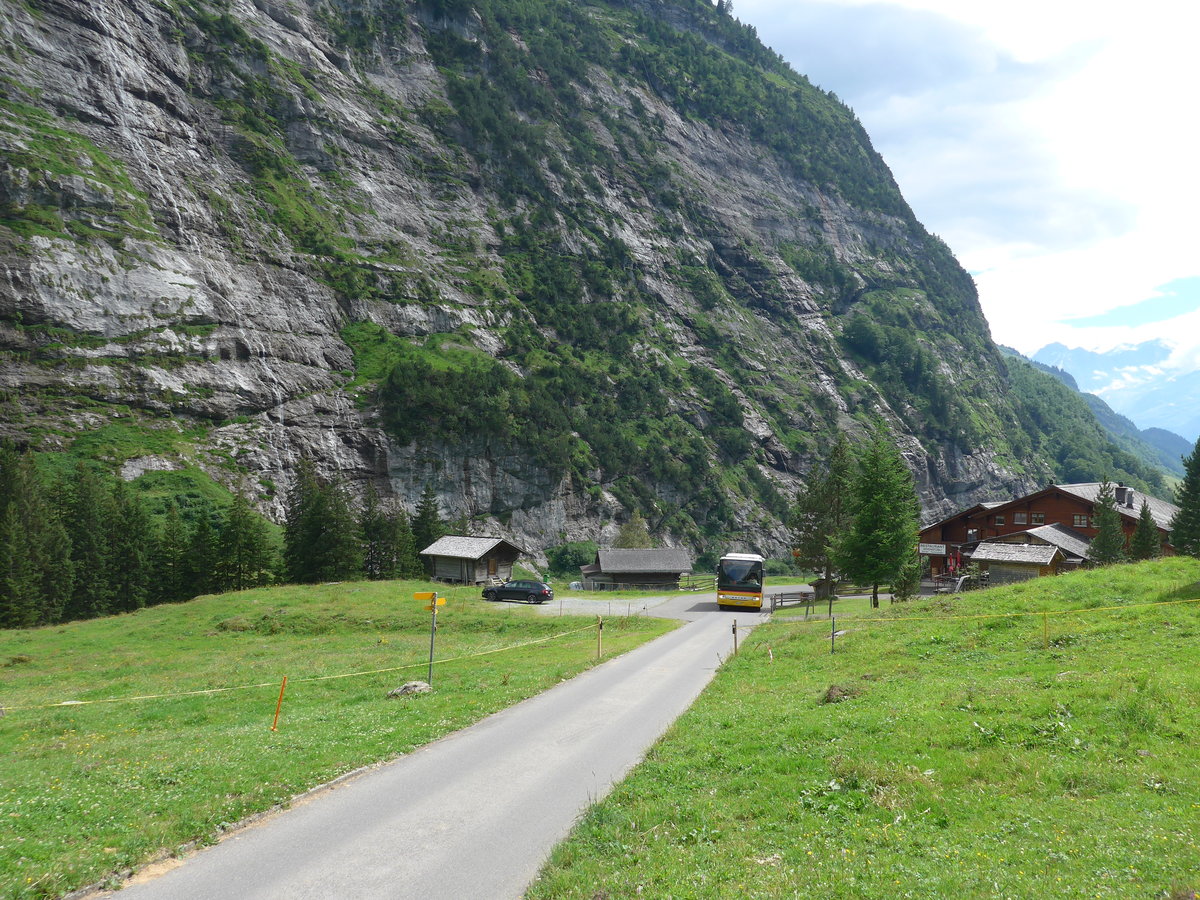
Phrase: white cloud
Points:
(1051, 144)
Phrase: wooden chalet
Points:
(1061, 515)
(650, 569)
(471, 560)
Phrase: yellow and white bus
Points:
(740, 581)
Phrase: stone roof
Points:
(1067, 539)
(1026, 554)
(466, 547)
(636, 562)
(1160, 510)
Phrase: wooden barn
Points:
(649, 569)
(471, 560)
(948, 544)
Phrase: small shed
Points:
(471, 560)
(1006, 563)
(650, 569)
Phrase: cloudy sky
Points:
(1051, 143)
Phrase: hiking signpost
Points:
(433, 601)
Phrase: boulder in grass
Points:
(412, 687)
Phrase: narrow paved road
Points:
(475, 814)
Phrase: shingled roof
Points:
(1161, 511)
(466, 547)
(1028, 554)
(638, 562)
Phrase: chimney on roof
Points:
(1122, 495)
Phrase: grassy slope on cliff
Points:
(95, 789)
(944, 750)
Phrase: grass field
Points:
(97, 788)
(932, 755)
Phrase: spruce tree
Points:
(883, 533)
(1185, 526)
(1108, 546)
(87, 510)
(321, 536)
(131, 541)
(203, 557)
(377, 530)
(1145, 543)
(244, 550)
(822, 511)
(171, 559)
(427, 524)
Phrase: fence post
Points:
(735, 637)
(832, 632)
(1045, 631)
(279, 705)
(599, 637)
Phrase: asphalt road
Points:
(475, 814)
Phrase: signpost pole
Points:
(434, 602)
(432, 633)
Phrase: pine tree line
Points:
(324, 539)
(86, 545)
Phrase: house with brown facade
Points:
(1061, 516)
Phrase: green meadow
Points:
(166, 740)
(1039, 740)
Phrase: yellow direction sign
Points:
(424, 595)
(440, 601)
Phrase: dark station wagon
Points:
(532, 591)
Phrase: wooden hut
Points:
(471, 560)
(649, 569)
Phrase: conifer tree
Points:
(883, 534)
(822, 511)
(321, 539)
(171, 559)
(131, 541)
(35, 567)
(1185, 526)
(1145, 543)
(203, 557)
(1108, 546)
(244, 550)
(380, 532)
(427, 524)
(88, 512)
(408, 562)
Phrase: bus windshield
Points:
(740, 573)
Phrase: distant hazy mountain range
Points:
(1134, 382)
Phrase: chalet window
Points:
(1037, 518)
(1081, 521)
(1019, 518)
(1000, 520)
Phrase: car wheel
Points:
(533, 598)
(490, 596)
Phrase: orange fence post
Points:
(279, 705)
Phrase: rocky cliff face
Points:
(199, 198)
